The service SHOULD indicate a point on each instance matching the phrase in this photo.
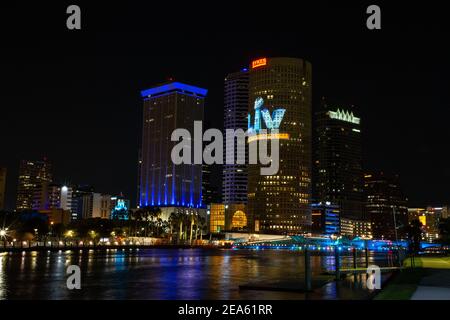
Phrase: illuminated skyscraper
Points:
(338, 176)
(210, 193)
(34, 178)
(325, 218)
(280, 95)
(80, 197)
(162, 183)
(234, 182)
(234, 175)
(60, 197)
(386, 205)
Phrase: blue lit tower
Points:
(162, 183)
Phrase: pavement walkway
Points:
(436, 285)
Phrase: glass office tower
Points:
(162, 183)
(280, 203)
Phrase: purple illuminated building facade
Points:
(162, 183)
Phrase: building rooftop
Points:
(174, 86)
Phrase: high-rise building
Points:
(79, 201)
(280, 99)
(2, 187)
(119, 208)
(444, 212)
(441, 212)
(138, 181)
(34, 177)
(386, 205)
(234, 180)
(325, 218)
(338, 175)
(94, 205)
(234, 173)
(41, 196)
(429, 218)
(60, 197)
(163, 183)
(209, 190)
(356, 228)
(437, 215)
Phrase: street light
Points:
(51, 228)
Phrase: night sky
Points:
(74, 96)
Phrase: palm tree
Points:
(137, 217)
(193, 218)
(414, 232)
(172, 222)
(186, 219)
(159, 224)
(164, 228)
(151, 215)
(201, 224)
(176, 220)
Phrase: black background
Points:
(73, 96)
(281, 309)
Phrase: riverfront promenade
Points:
(60, 245)
(424, 278)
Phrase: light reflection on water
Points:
(159, 273)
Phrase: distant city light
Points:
(344, 116)
(259, 63)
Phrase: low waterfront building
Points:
(57, 216)
(119, 208)
(325, 218)
(93, 205)
(216, 217)
(224, 217)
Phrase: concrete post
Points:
(367, 257)
(337, 262)
(307, 269)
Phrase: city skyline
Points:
(404, 123)
(224, 154)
